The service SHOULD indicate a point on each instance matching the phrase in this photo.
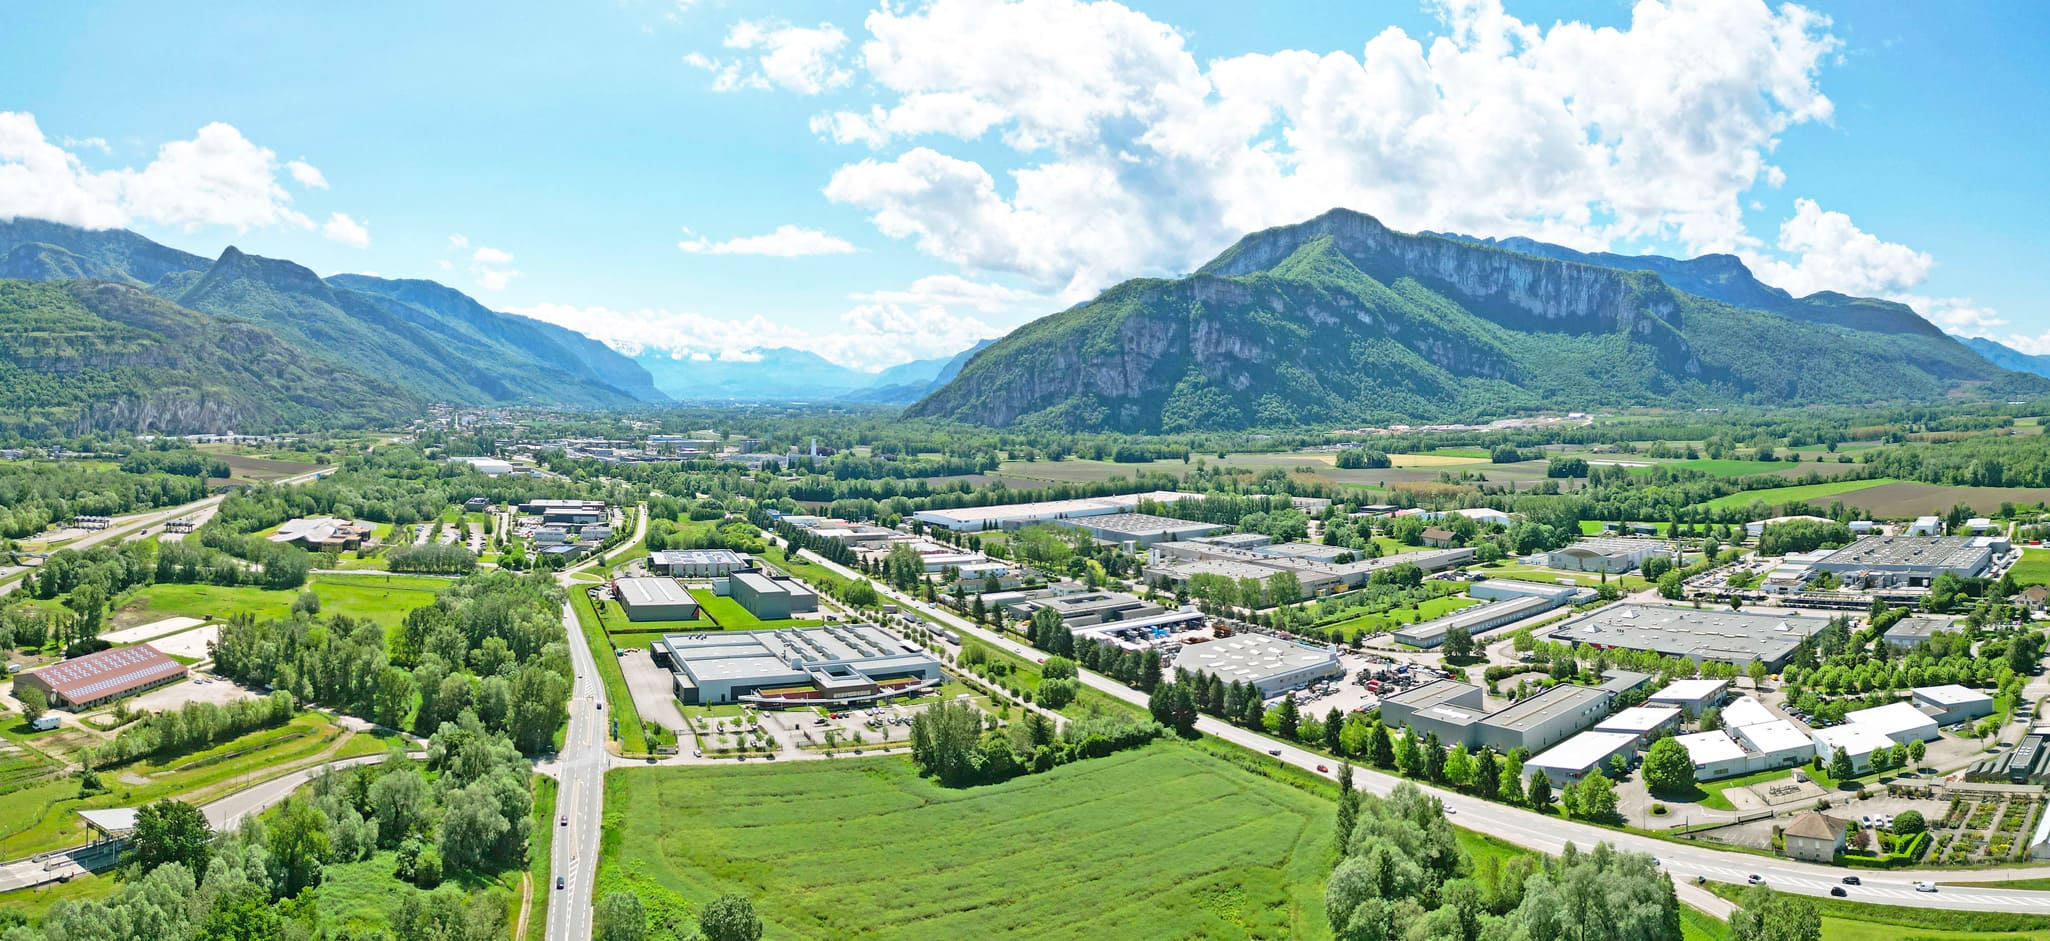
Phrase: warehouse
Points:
(1697, 634)
(1543, 720)
(1442, 706)
(1776, 744)
(1237, 540)
(1899, 721)
(1610, 554)
(1716, 755)
(1952, 703)
(97, 678)
(1272, 665)
(1744, 711)
(1856, 741)
(1311, 551)
(1087, 608)
(834, 664)
(699, 563)
(1475, 620)
(1909, 633)
(770, 599)
(1143, 529)
(1505, 589)
(1907, 561)
(1013, 516)
(654, 599)
(1642, 723)
(1692, 696)
(1572, 759)
(1175, 562)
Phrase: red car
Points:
(1323, 770)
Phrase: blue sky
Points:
(883, 184)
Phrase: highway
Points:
(580, 769)
(1550, 833)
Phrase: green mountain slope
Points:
(88, 355)
(2007, 357)
(1341, 320)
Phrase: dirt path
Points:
(526, 905)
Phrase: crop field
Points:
(1909, 500)
(1811, 493)
(384, 599)
(245, 467)
(865, 848)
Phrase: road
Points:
(1549, 833)
(580, 769)
(132, 524)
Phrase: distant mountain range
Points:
(781, 374)
(1342, 320)
(2007, 357)
(348, 350)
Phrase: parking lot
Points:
(653, 689)
(198, 689)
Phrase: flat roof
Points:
(1707, 748)
(1854, 738)
(700, 556)
(1951, 694)
(1614, 545)
(1250, 657)
(639, 591)
(789, 654)
(1776, 736)
(1432, 693)
(759, 583)
(1050, 509)
(1145, 524)
(1920, 627)
(1700, 633)
(1639, 719)
(1745, 710)
(1689, 690)
(1890, 719)
(1907, 552)
(1546, 706)
(1582, 751)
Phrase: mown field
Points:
(2034, 568)
(384, 599)
(1163, 842)
(1845, 490)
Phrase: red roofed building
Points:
(96, 678)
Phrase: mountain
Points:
(422, 340)
(2007, 357)
(1343, 320)
(781, 374)
(85, 355)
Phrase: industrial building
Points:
(1176, 562)
(1504, 589)
(1237, 540)
(488, 466)
(1908, 561)
(1086, 608)
(1143, 529)
(1776, 744)
(323, 534)
(1952, 703)
(1454, 711)
(1691, 696)
(1272, 665)
(1015, 515)
(1745, 710)
(654, 599)
(835, 664)
(1474, 620)
(1716, 755)
(1310, 551)
(1696, 634)
(1909, 633)
(698, 563)
(99, 678)
(1642, 723)
(1898, 721)
(1572, 759)
(1613, 555)
(770, 599)
(1854, 740)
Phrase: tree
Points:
(1909, 823)
(1592, 797)
(620, 917)
(1840, 767)
(1765, 915)
(1539, 794)
(730, 918)
(298, 843)
(1671, 586)
(170, 831)
(1667, 768)
(1348, 806)
(1381, 748)
(1916, 750)
(1458, 643)
(1291, 717)
(33, 702)
(1711, 718)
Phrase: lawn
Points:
(1531, 573)
(1712, 791)
(384, 599)
(616, 623)
(1846, 920)
(1776, 496)
(1161, 842)
(727, 614)
(2033, 569)
(1388, 620)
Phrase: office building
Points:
(323, 534)
(698, 563)
(1572, 759)
(834, 665)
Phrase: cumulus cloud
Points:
(490, 268)
(778, 55)
(216, 178)
(787, 241)
(882, 329)
(1823, 250)
(341, 228)
(1136, 158)
(307, 174)
(88, 143)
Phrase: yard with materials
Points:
(1160, 842)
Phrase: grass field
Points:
(727, 614)
(1847, 920)
(540, 848)
(1812, 493)
(865, 848)
(2034, 568)
(1717, 468)
(384, 599)
(1627, 583)
(1389, 620)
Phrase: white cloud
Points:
(787, 241)
(1135, 158)
(341, 228)
(486, 255)
(307, 174)
(458, 242)
(2036, 345)
(88, 143)
(217, 178)
(884, 328)
(778, 55)
(490, 268)
(1830, 253)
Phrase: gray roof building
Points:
(1910, 561)
(1274, 666)
(1142, 529)
(834, 664)
(1698, 634)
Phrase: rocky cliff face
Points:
(1343, 319)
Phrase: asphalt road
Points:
(1550, 833)
(580, 769)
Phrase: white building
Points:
(1691, 696)
(1641, 722)
(1898, 721)
(1745, 711)
(1952, 703)
(1776, 744)
(1856, 741)
(1715, 755)
(1613, 555)
(1274, 666)
(1572, 759)
(1926, 526)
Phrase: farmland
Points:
(384, 599)
(866, 848)
(1810, 493)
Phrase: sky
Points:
(881, 183)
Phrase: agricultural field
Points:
(384, 599)
(1844, 490)
(2033, 569)
(1909, 500)
(865, 848)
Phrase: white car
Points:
(1925, 886)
